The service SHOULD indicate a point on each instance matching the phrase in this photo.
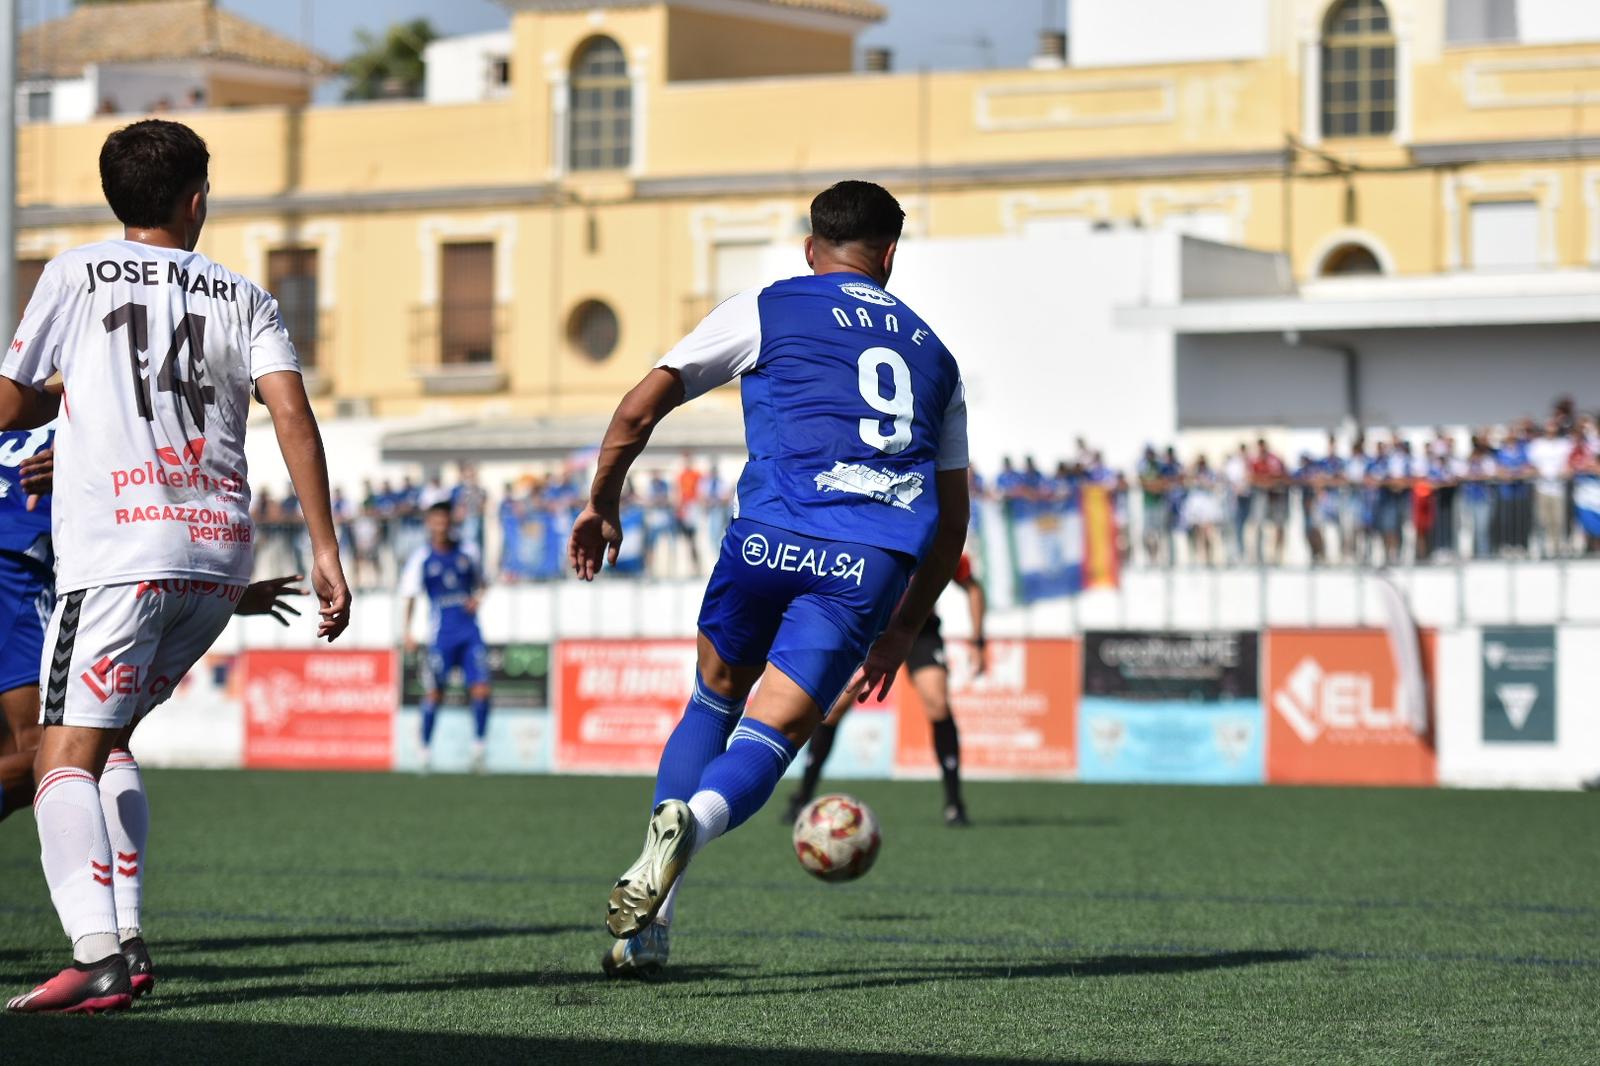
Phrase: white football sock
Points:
(76, 855)
(710, 812)
(127, 813)
(670, 904)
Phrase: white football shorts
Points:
(113, 653)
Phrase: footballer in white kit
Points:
(158, 350)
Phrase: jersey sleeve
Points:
(953, 433)
(411, 577)
(271, 350)
(35, 353)
(723, 346)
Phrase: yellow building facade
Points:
(532, 252)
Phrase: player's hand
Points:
(333, 596)
(883, 663)
(980, 658)
(38, 475)
(596, 540)
(267, 597)
(471, 606)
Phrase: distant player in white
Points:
(157, 349)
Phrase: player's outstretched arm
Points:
(284, 394)
(938, 567)
(270, 597)
(597, 534)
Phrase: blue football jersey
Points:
(22, 531)
(449, 579)
(851, 403)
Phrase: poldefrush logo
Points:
(869, 294)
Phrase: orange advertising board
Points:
(319, 710)
(1333, 705)
(620, 700)
(1017, 719)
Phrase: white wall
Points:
(459, 68)
(1030, 321)
(1557, 21)
(1108, 33)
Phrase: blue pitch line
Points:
(1037, 946)
(1001, 891)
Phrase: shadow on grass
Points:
(920, 973)
(139, 1040)
(419, 935)
(565, 988)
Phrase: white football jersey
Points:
(158, 349)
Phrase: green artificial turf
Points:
(353, 918)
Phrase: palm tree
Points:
(390, 66)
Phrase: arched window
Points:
(1358, 70)
(1350, 259)
(601, 112)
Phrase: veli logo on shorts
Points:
(108, 678)
(793, 559)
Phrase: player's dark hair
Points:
(443, 506)
(147, 167)
(856, 211)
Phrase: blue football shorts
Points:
(467, 653)
(27, 595)
(810, 607)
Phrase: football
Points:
(836, 838)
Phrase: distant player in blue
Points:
(856, 484)
(450, 574)
(27, 596)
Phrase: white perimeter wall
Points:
(205, 727)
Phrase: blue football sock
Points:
(430, 715)
(701, 735)
(480, 718)
(749, 770)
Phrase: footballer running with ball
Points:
(852, 513)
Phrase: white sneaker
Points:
(641, 955)
(639, 893)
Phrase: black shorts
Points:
(928, 649)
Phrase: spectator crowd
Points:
(1518, 490)
(1521, 490)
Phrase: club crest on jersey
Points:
(885, 486)
(868, 294)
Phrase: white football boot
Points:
(640, 892)
(641, 955)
